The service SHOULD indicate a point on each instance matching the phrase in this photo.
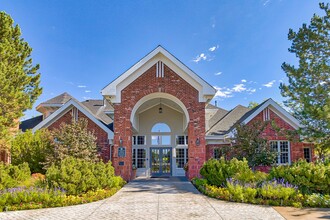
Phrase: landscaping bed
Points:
(300, 185)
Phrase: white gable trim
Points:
(113, 90)
(277, 109)
(64, 109)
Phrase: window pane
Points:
(161, 127)
(166, 140)
(284, 146)
(140, 140)
(180, 140)
(155, 140)
(216, 153)
(134, 157)
(141, 158)
(307, 154)
(180, 158)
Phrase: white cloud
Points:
(218, 73)
(269, 84)
(223, 92)
(243, 80)
(239, 87)
(212, 49)
(251, 91)
(87, 91)
(81, 86)
(200, 57)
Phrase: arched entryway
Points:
(160, 137)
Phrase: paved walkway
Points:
(172, 198)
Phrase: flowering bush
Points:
(21, 198)
(286, 185)
(309, 177)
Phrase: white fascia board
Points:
(277, 109)
(64, 109)
(113, 90)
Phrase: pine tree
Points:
(308, 90)
(19, 80)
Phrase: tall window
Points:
(283, 151)
(181, 157)
(307, 154)
(139, 158)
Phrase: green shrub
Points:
(216, 172)
(32, 148)
(12, 176)
(78, 176)
(33, 198)
(317, 200)
(309, 177)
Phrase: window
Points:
(181, 157)
(217, 153)
(139, 158)
(307, 154)
(283, 150)
(160, 140)
(160, 127)
(182, 140)
(139, 140)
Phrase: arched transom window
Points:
(160, 139)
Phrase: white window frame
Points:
(278, 161)
(185, 140)
(266, 114)
(161, 139)
(135, 140)
(136, 157)
(185, 157)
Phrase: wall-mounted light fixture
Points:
(160, 110)
(121, 142)
(197, 142)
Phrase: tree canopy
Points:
(308, 88)
(19, 78)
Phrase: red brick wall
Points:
(144, 85)
(296, 148)
(210, 149)
(100, 134)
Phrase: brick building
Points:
(156, 116)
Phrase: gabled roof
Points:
(30, 123)
(228, 121)
(113, 90)
(279, 110)
(241, 114)
(58, 100)
(98, 108)
(65, 108)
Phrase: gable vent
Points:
(160, 69)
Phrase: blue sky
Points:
(236, 46)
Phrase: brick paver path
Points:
(152, 199)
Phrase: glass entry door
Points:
(160, 162)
